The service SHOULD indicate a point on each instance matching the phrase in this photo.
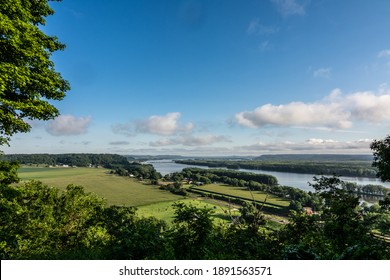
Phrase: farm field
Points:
(165, 211)
(149, 200)
(117, 190)
(243, 193)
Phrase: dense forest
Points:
(79, 160)
(222, 175)
(343, 168)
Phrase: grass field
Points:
(165, 211)
(117, 190)
(243, 193)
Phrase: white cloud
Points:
(291, 7)
(296, 113)
(68, 125)
(367, 106)
(335, 111)
(161, 125)
(322, 73)
(190, 140)
(312, 145)
(165, 125)
(316, 141)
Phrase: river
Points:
(296, 180)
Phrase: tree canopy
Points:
(28, 79)
(381, 151)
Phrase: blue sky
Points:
(218, 77)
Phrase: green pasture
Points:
(222, 212)
(115, 189)
(244, 193)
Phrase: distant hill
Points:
(316, 157)
(152, 157)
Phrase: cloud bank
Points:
(169, 126)
(312, 145)
(190, 140)
(335, 111)
(165, 125)
(64, 125)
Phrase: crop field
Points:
(243, 193)
(116, 190)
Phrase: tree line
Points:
(118, 164)
(221, 175)
(348, 168)
(71, 159)
(369, 189)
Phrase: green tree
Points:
(132, 237)
(192, 232)
(252, 216)
(343, 223)
(340, 230)
(8, 173)
(381, 151)
(39, 222)
(28, 79)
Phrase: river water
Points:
(295, 180)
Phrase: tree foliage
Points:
(381, 151)
(341, 230)
(28, 79)
(37, 221)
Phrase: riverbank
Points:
(296, 180)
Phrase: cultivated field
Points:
(117, 190)
(245, 194)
